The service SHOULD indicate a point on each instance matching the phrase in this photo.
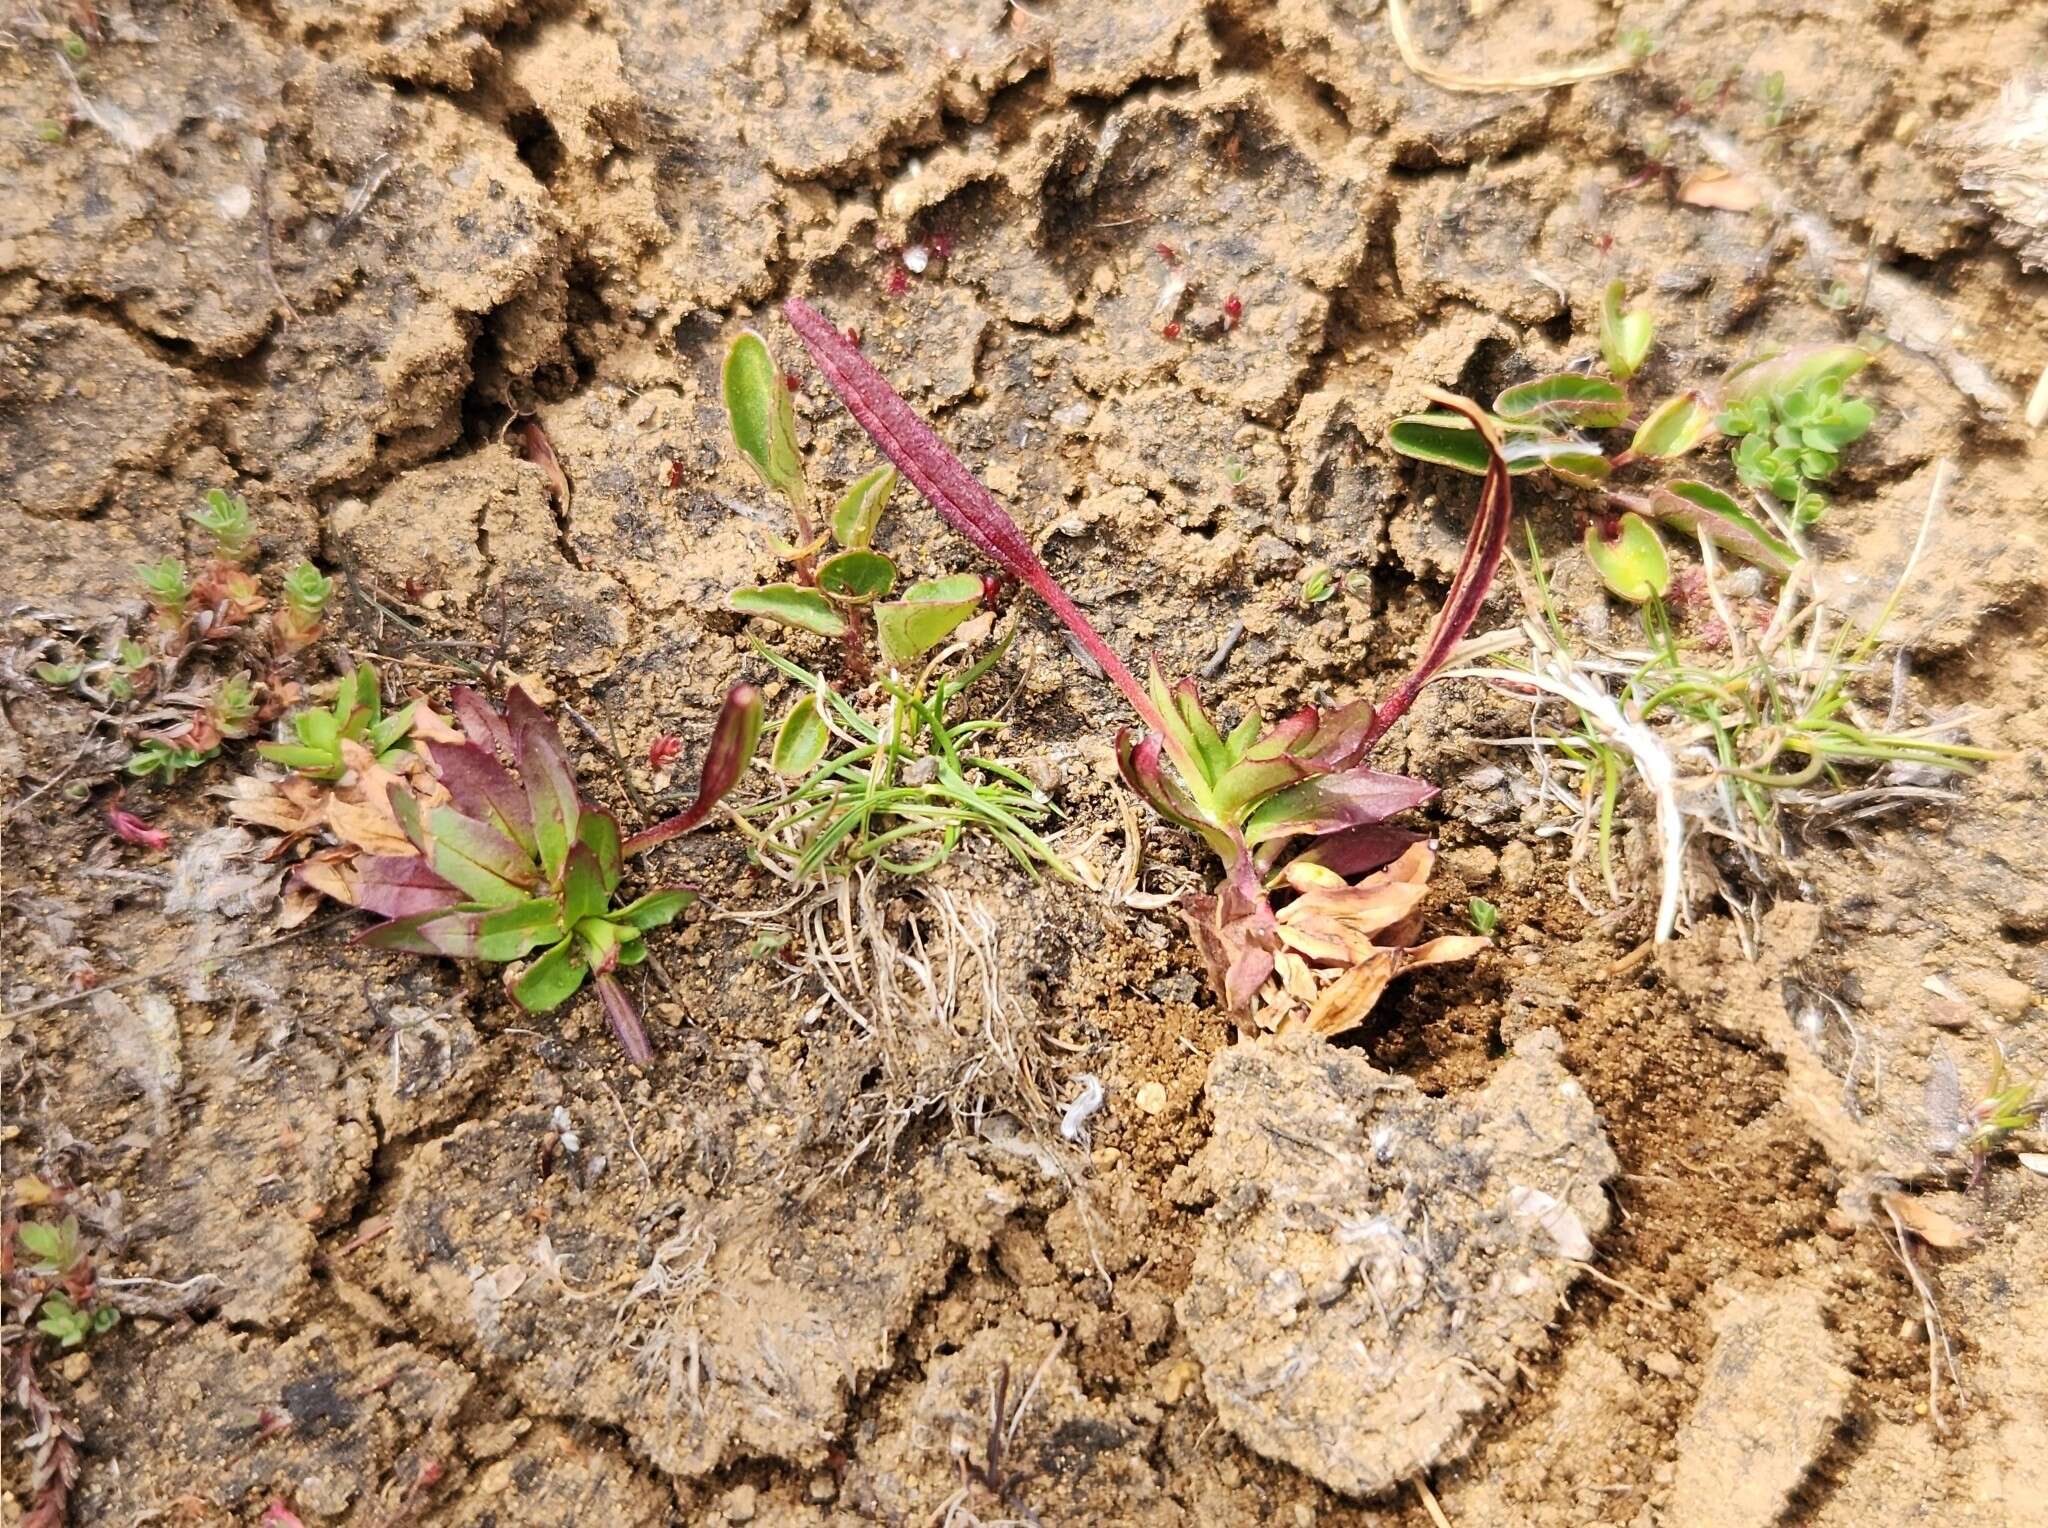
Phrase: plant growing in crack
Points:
(1788, 414)
(517, 861)
(1253, 794)
(881, 769)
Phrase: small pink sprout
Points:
(899, 281)
(278, 1515)
(940, 245)
(1172, 329)
(853, 336)
(792, 381)
(663, 750)
(131, 829)
(1233, 310)
(675, 473)
(1165, 252)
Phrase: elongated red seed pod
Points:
(953, 491)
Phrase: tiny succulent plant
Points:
(357, 716)
(517, 861)
(1255, 792)
(1787, 414)
(853, 584)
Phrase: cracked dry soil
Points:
(329, 252)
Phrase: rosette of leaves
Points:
(842, 584)
(517, 862)
(1558, 424)
(1790, 428)
(357, 716)
(1255, 793)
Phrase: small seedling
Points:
(1319, 587)
(2006, 1108)
(168, 587)
(306, 593)
(69, 1314)
(357, 716)
(1250, 794)
(1484, 915)
(519, 862)
(1787, 412)
(155, 756)
(225, 518)
(1771, 92)
(851, 588)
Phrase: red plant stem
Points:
(939, 475)
(1484, 548)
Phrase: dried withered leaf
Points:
(1720, 190)
(1928, 1223)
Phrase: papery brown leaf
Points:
(332, 873)
(1720, 190)
(1345, 1003)
(1927, 1223)
(430, 726)
(367, 828)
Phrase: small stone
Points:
(1106, 1158)
(1231, 1476)
(2006, 996)
(739, 1505)
(1909, 1328)
(1662, 1364)
(1304, 1515)
(76, 1367)
(1152, 1097)
(1664, 1474)
(1475, 864)
(1517, 864)
(822, 1487)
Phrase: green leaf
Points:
(385, 734)
(1584, 469)
(1673, 427)
(757, 405)
(857, 576)
(801, 740)
(1624, 337)
(510, 932)
(1449, 440)
(1566, 398)
(295, 756)
(599, 832)
(854, 520)
(632, 951)
(487, 866)
(583, 889)
(551, 980)
(1776, 377)
(805, 609)
(601, 940)
(928, 613)
(1706, 511)
(655, 910)
(1632, 564)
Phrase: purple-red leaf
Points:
(401, 886)
(550, 783)
(485, 789)
(733, 740)
(953, 491)
(1332, 803)
(1359, 851)
(625, 1022)
(1235, 932)
(481, 723)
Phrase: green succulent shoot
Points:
(306, 593)
(167, 586)
(165, 760)
(225, 517)
(519, 862)
(357, 716)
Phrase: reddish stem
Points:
(938, 474)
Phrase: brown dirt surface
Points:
(391, 1251)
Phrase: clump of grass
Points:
(898, 790)
(1734, 727)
